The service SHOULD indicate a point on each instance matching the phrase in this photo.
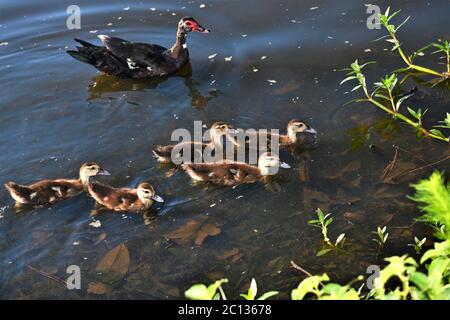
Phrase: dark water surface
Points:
(57, 113)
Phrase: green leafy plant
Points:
(391, 37)
(322, 222)
(215, 292)
(382, 236)
(202, 292)
(418, 244)
(434, 198)
(317, 286)
(253, 290)
(384, 92)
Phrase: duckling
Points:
(231, 173)
(47, 192)
(163, 154)
(291, 139)
(124, 199)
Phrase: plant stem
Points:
(405, 119)
(408, 62)
(222, 293)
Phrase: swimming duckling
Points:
(163, 154)
(50, 191)
(295, 127)
(230, 173)
(124, 199)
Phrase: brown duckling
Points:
(295, 127)
(163, 154)
(124, 199)
(230, 173)
(50, 191)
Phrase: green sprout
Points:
(323, 221)
(418, 244)
(253, 290)
(382, 236)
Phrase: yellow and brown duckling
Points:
(230, 173)
(219, 134)
(295, 128)
(47, 192)
(124, 199)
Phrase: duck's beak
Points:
(157, 198)
(200, 29)
(284, 165)
(311, 130)
(103, 172)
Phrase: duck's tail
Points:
(85, 53)
(19, 193)
(163, 154)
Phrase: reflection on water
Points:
(103, 84)
(281, 64)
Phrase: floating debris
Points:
(93, 31)
(4, 43)
(95, 224)
(152, 9)
(313, 8)
(127, 8)
(212, 56)
(263, 57)
(227, 59)
(368, 50)
(255, 69)
(202, 6)
(271, 81)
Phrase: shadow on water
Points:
(104, 84)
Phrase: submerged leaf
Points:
(115, 261)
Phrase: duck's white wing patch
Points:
(103, 37)
(131, 64)
(58, 191)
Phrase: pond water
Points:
(57, 113)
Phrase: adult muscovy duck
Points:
(135, 59)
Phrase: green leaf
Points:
(323, 252)
(198, 292)
(268, 295)
(400, 101)
(347, 79)
(308, 285)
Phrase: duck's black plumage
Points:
(138, 60)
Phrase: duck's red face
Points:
(190, 25)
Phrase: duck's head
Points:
(146, 193)
(298, 126)
(268, 164)
(189, 24)
(91, 169)
(221, 129)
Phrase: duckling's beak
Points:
(311, 130)
(103, 172)
(157, 198)
(284, 165)
(200, 29)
